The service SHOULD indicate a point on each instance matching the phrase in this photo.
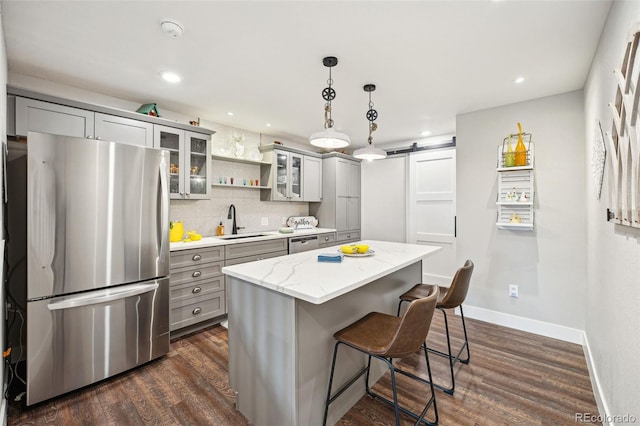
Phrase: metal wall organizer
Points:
(515, 191)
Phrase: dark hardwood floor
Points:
(514, 378)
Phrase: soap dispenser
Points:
(220, 229)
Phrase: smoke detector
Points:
(171, 27)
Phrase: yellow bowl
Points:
(362, 248)
(349, 249)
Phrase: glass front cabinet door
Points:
(198, 185)
(189, 168)
(288, 176)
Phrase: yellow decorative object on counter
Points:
(176, 231)
(362, 248)
(349, 249)
(193, 236)
(521, 150)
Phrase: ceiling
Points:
(262, 60)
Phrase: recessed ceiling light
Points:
(425, 133)
(229, 113)
(268, 124)
(171, 77)
(518, 80)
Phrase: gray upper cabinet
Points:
(124, 130)
(37, 116)
(293, 175)
(340, 206)
(312, 179)
(189, 164)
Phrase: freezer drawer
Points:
(76, 340)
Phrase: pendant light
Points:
(329, 138)
(370, 152)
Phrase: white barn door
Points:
(431, 211)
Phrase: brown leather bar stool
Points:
(384, 337)
(449, 298)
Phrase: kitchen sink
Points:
(238, 236)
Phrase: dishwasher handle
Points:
(304, 240)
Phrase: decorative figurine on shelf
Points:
(149, 109)
(512, 196)
(523, 197)
(515, 218)
(521, 150)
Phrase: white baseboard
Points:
(601, 401)
(541, 328)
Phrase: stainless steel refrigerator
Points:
(88, 248)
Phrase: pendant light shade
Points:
(370, 152)
(329, 138)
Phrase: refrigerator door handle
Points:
(163, 207)
(102, 296)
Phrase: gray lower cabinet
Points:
(250, 252)
(197, 291)
(327, 240)
(340, 206)
(255, 249)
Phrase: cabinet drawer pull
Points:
(196, 311)
(348, 235)
(196, 274)
(196, 257)
(196, 290)
(326, 238)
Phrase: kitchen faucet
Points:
(234, 227)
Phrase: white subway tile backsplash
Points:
(203, 216)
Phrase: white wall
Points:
(613, 252)
(547, 264)
(383, 199)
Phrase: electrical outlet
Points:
(513, 290)
(265, 221)
(284, 220)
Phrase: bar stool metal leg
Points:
(449, 355)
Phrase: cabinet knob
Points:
(196, 290)
(348, 235)
(196, 257)
(196, 311)
(98, 138)
(196, 274)
(326, 238)
(188, 193)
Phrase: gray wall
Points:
(613, 255)
(547, 264)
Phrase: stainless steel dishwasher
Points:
(300, 244)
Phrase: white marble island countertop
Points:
(301, 276)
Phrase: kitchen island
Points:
(283, 313)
